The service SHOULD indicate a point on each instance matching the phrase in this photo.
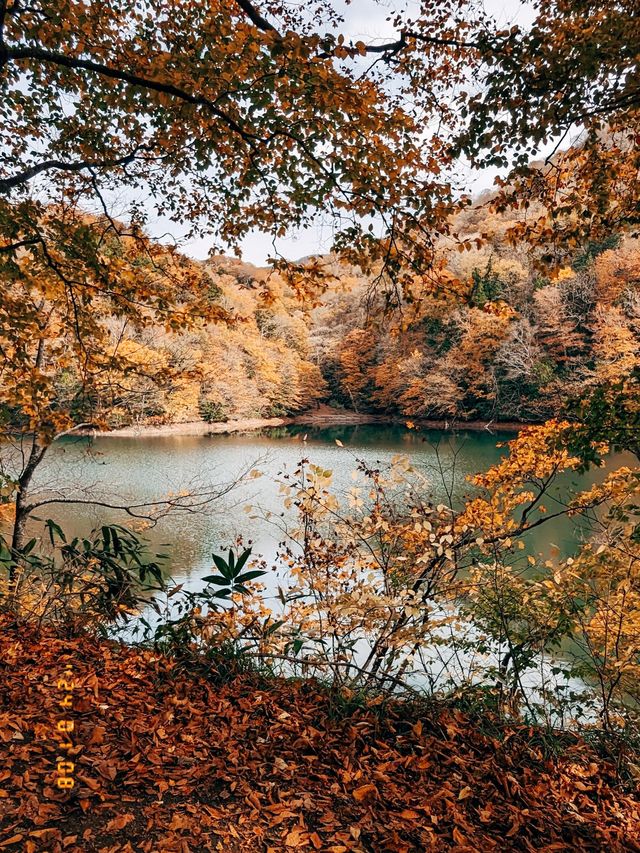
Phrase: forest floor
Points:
(170, 761)
(322, 416)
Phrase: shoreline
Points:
(321, 417)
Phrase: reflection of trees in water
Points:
(139, 469)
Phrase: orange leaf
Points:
(295, 839)
(119, 822)
(458, 837)
(315, 839)
(409, 814)
(365, 792)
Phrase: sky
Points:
(366, 21)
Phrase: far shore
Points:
(323, 416)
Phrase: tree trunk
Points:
(23, 509)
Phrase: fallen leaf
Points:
(13, 840)
(119, 822)
(365, 792)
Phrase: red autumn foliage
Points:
(167, 761)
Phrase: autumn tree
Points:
(575, 70)
(69, 319)
(236, 116)
(229, 116)
(556, 331)
(617, 272)
(355, 358)
(570, 83)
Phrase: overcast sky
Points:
(366, 21)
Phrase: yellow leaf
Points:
(295, 839)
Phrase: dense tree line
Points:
(256, 364)
(514, 346)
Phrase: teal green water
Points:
(137, 470)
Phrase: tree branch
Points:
(394, 47)
(7, 184)
(3, 46)
(31, 241)
(77, 64)
(150, 511)
(320, 663)
(256, 18)
(87, 425)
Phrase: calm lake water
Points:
(140, 470)
(137, 470)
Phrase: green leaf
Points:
(222, 593)
(249, 576)
(55, 529)
(28, 548)
(217, 579)
(242, 559)
(222, 566)
(5, 552)
(117, 545)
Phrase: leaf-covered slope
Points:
(166, 762)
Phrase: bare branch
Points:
(7, 184)
(398, 45)
(321, 663)
(150, 511)
(87, 425)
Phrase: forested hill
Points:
(258, 362)
(511, 347)
(511, 340)
(514, 348)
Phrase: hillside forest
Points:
(510, 344)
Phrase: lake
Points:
(143, 469)
(138, 470)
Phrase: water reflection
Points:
(135, 470)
